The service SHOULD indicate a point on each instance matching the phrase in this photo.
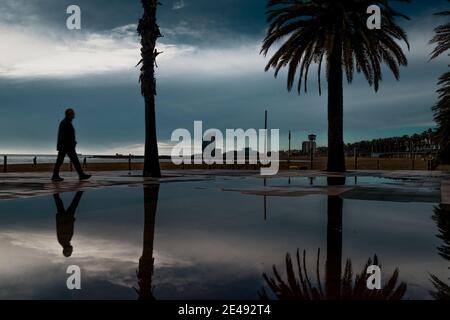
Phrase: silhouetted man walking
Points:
(66, 146)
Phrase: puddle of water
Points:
(191, 240)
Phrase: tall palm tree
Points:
(442, 117)
(442, 36)
(312, 31)
(442, 108)
(149, 31)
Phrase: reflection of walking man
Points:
(66, 146)
(65, 220)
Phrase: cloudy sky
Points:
(210, 70)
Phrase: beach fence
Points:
(360, 162)
(356, 161)
(45, 163)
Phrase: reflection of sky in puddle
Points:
(207, 243)
(321, 181)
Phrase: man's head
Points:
(67, 251)
(70, 114)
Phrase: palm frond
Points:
(299, 286)
(303, 33)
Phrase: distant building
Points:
(310, 145)
(307, 145)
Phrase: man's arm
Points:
(60, 143)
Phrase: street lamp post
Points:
(289, 152)
(312, 141)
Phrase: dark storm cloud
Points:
(196, 21)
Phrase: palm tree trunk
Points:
(150, 32)
(336, 157)
(151, 158)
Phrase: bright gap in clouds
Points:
(29, 55)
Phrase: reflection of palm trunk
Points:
(339, 284)
(146, 262)
(334, 247)
(334, 242)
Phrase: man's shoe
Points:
(85, 177)
(57, 179)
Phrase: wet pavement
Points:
(26, 185)
(217, 235)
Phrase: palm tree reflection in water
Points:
(343, 286)
(338, 285)
(146, 262)
(442, 218)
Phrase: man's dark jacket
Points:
(66, 136)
